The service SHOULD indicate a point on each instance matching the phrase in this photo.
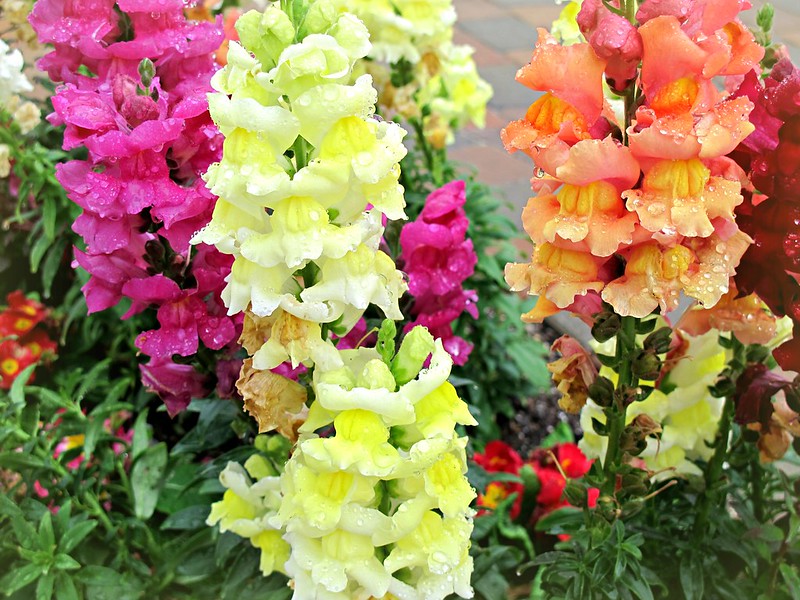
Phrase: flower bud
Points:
(414, 351)
(602, 391)
(658, 341)
(606, 325)
(646, 365)
(576, 493)
(147, 71)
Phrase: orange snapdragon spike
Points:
(560, 274)
(681, 196)
(588, 208)
(571, 77)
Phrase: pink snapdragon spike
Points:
(143, 117)
(438, 258)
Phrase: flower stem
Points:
(714, 470)
(626, 345)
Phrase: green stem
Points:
(626, 345)
(757, 485)
(630, 10)
(300, 148)
(713, 471)
(430, 161)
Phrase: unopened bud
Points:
(646, 365)
(606, 325)
(147, 71)
(659, 341)
(602, 391)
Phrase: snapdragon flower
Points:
(640, 223)
(443, 75)
(381, 505)
(143, 118)
(303, 182)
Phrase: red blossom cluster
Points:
(771, 215)
(22, 341)
(550, 466)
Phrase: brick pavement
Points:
(503, 33)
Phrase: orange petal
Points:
(652, 278)
(573, 74)
(596, 160)
(669, 54)
(681, 196)
(717, 261)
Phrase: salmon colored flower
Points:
(747, 317)
(682, 196)
(685, 116)
(655, 275)
(588, 207)
(560, 274)
(570, 109)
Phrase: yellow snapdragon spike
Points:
(359, 486)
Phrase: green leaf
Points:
(191, 517)
(29, 420)
(97, 575)
(88, 381)
(75, 535)
(213, 427)
(44, 588)
(17, 392)
(52, 262)
(40, 246)
(141, 435)
(47, 539)
(791, 578)
(19, 578)
(146, 476)
(560, 520)
(93, 430)
(19, 460)
(639, 587)
(691, 575)
(65, 588)
(65, 562)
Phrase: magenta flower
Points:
(149, 139)
(438, 258)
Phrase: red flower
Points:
(551, 485)
(572, 460)
(499, 457)
(22, 315)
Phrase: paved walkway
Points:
(503, 33)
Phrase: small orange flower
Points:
(588, 208)
(747, 317)
(561, 274)
(571, 77)
(681, 196)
